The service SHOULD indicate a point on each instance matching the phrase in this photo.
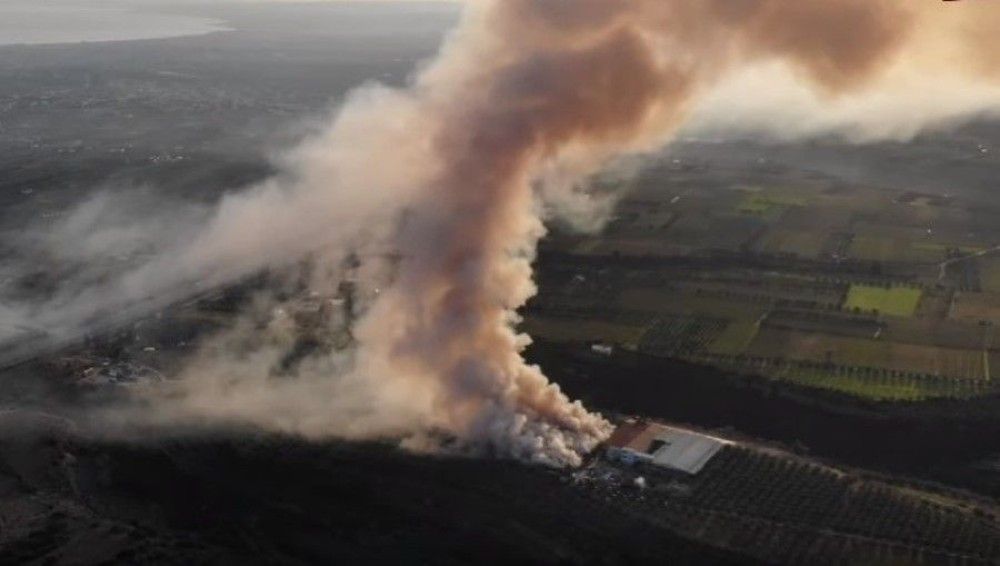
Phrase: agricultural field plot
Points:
(734, 339)
(581, 330)
(680, 335)
(918, 211)
(768, 206)
(963, 335)
(574, 297)
(948, 362)
(609, 316)
(712, 231)
(895, 301)
(933, 252)
(989, 273)
(871, 247)
(962, 275)
(652, 299)
(976, 307)
(750, 487)
(756, 289)
(858, 352)
(801, 243)
(881, 224)
(872, 383)
(779, 343)
(874, 248)
(866, 387)
(992, 361)
(934, 305)
(634, 246)
(669, 301)
(824, 215)
(780, 509)
(819, 322)
(766, 300)
(642, 223)
(961, 249)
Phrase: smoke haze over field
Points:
(455, 174)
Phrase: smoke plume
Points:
(441, 190)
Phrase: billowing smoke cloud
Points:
(945, 72)
(441, 190)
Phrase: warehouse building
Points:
(664, 446)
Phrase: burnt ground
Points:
(239, 500)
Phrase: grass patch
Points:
(767, 206)
(735, 338)
(895, 301)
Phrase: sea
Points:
(40, 22)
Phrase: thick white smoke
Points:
(439, 190)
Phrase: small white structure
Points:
(602, 349)
(668, 447)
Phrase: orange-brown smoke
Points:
(531, 83)
(527, 99)
(548, 80)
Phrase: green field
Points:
(874, 247)
(875, 384)
(876, 388)
(735, 338)
(895, 301)
(767, 206)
